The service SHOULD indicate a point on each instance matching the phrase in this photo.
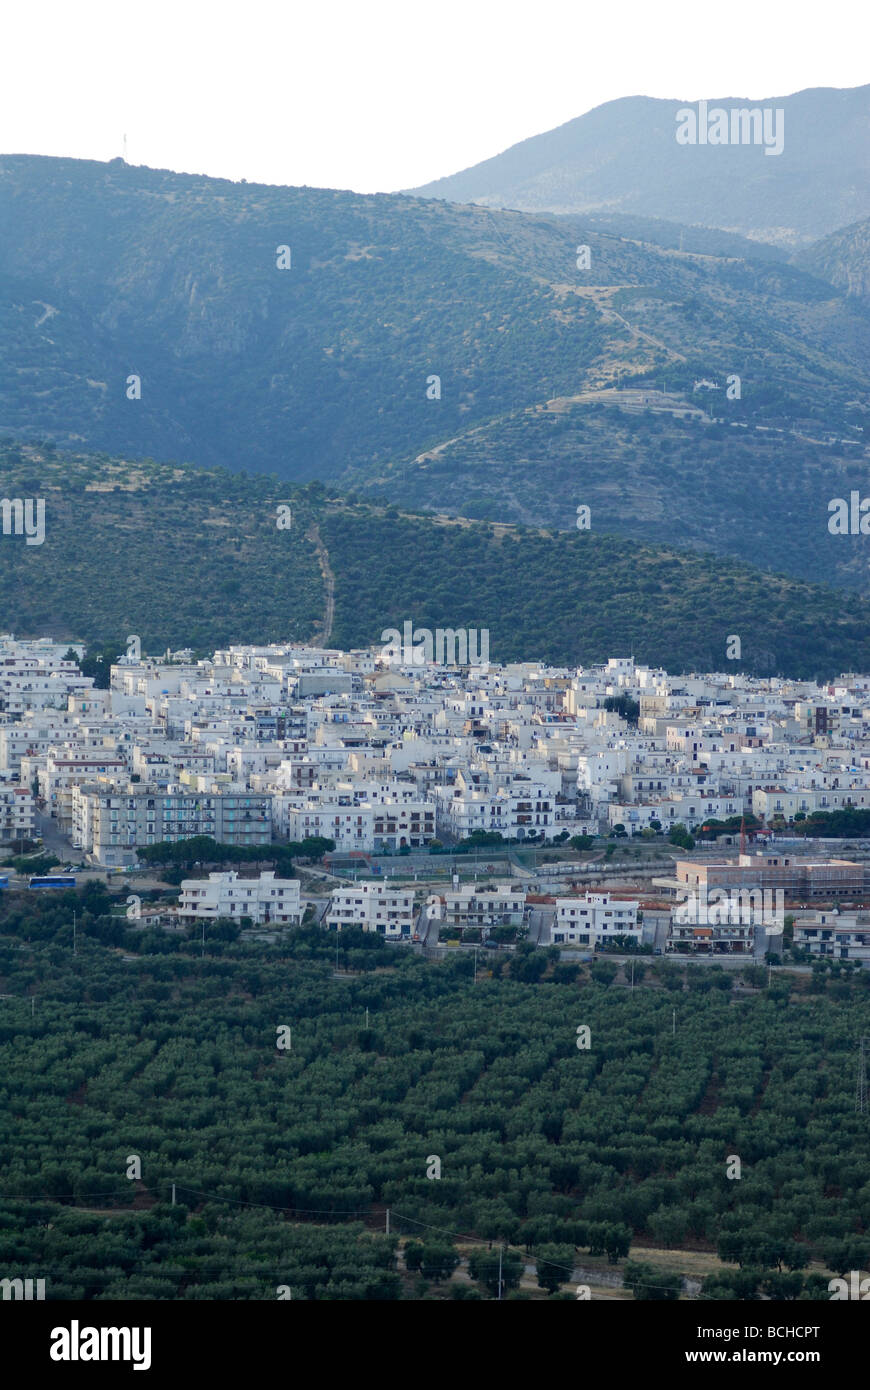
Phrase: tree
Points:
(625, 706)
(97, 662)
(843, 1255)
(680, 836)
(649, 1283)
(413, 1254)
(617, 1242)
(437, 1262)
(783, 1286)
(735, 1285)
(554, 1265)
(603, 972)
(669, 1225)
(483, 1266)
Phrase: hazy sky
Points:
(388, 94)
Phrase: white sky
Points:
(386, 94)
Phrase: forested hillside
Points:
(843, 258)
(189, 557)
(442, 355)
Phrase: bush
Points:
(648, 1283)
(603, 972)
(680, 836)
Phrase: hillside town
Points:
(464, 805)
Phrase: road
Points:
(53, 841)
(540, 925)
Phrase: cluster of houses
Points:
(287, 742)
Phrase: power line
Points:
(325, 1211)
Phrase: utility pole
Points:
(202, 947)
(388, 1220)
(173, 1194)
(367, 1017)
(500, 1249)
(632, 976)
(674, 1028)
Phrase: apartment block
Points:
(264, 899)
(109, 824)
(373, 907)
(16, 814)
(837, 935)
(594, 919)
(483, 907)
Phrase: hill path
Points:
(313, 534)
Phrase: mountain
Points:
(194, 557)
(843, 259)
(108, 271)
(623, 157)
(598, 378)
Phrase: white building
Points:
(263, 899)
(594, 919)
(690, 811)
(521, 809)
(356, 824)
(16, 814)
(838, 935)
(374, 907)
(482, 907)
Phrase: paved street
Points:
(52, 840)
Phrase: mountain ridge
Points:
(408, 329)
(622, 156)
